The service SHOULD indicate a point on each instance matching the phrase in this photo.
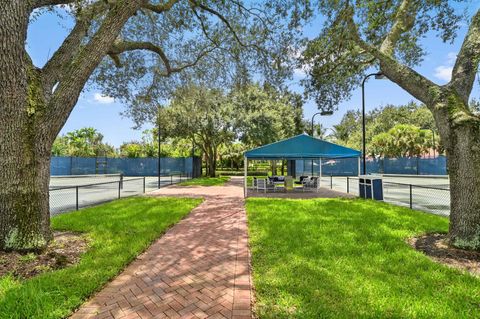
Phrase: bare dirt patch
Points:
(63, 251)
(436, 247)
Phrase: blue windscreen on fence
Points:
(127, 166)
(349, 166)
(61, 166)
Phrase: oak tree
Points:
(360, 35)
(152, 39)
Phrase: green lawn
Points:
(206, 181)
(118, 232)
(334, 258)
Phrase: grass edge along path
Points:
(118, 232)
(339, 258)
(206, 181)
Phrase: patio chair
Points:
(312, 183)
(276, 182)
(264, 184)
(300, 181)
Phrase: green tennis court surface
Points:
(429, 194)
(68, 193)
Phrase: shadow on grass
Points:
(339, 258)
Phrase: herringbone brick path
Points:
(198, 269)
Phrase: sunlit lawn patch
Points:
(206, 181)
(118, 231)
(337, 258)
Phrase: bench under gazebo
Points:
(293, 149)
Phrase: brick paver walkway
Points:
(198, 269)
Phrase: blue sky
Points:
(47, 32)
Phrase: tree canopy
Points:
(216, 43)
(402, 140)
(359, 36)
(380, 121)
(354, 34)
(214, 119)
(84, 142)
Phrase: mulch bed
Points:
(436, 247)
(63, 251)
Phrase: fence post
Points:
(331, 181)
(119, 188)
(348, 184)
(411, 205)
(144, 184)
(76, 197)
(171, 179)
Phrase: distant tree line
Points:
(391, 131)
(217, 125)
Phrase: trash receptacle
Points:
(370, 187)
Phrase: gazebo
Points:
(300, 147)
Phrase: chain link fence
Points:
(87, 193)
(432, 199)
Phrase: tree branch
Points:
(411, 81)
(221, 17)
(84, 62)
(125, 46)
(203, 27)
(160, 8)
(404, 21)
(43, 3)
(466, 65)
(265, 21)
(54, 70)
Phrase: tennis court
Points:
(426, 193)
(72, 192)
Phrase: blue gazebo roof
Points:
(301, 146)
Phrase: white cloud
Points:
(443, 72)
(103, 99)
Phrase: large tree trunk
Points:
(460, 132)
(32, 115)
(212, 166)
(464, 170)
(24, 151)
(24, 202)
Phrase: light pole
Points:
(433, 138)
(378, 75)
(322, 113)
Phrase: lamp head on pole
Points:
(380, 76)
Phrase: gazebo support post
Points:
(359, 166)
(245, 165)
(320, 174)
